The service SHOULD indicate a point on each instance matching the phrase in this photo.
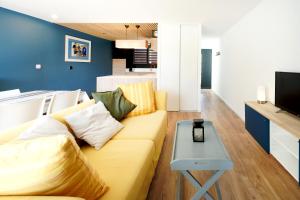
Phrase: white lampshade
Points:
(261, 94)
(131, 44)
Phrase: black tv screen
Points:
(287, 92)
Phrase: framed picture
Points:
(77, 49)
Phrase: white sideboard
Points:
(285, 148)
(109, 83)
(277, 132)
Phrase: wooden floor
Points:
(256, 175)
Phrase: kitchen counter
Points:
(109, 83)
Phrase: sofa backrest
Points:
(160, 100)
(13, 133)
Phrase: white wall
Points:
(264, 41)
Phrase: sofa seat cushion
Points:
(125, 166)
(151, 126)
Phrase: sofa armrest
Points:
(161, 100)
(39, 198)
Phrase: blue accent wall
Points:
(26, 41)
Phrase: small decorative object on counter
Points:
(198, 130)
(261, 95)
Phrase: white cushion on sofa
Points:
(94, 124)
(45, 126)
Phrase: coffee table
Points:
(209, 155)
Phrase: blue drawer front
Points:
(258, 126)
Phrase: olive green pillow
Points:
(115, 103)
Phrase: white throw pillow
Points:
(94, 124)
(45, 126)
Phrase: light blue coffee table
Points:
(210, 155)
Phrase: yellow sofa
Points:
(127, 162)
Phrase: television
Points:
(287, 92)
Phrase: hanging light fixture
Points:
(132, 44)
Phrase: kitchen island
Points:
(109, 83)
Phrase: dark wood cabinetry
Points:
(133, 57)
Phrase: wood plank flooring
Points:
(256, 174)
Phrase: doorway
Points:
(206, 68)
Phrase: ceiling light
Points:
(132, 44)
(154, 33)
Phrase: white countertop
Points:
(132, 75)
(109, 83)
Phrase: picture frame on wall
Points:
(77, 49)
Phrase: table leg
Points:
(213, 179)
(202, 190)
(218, 191)
(179, 187)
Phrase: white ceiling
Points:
(216, 16)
